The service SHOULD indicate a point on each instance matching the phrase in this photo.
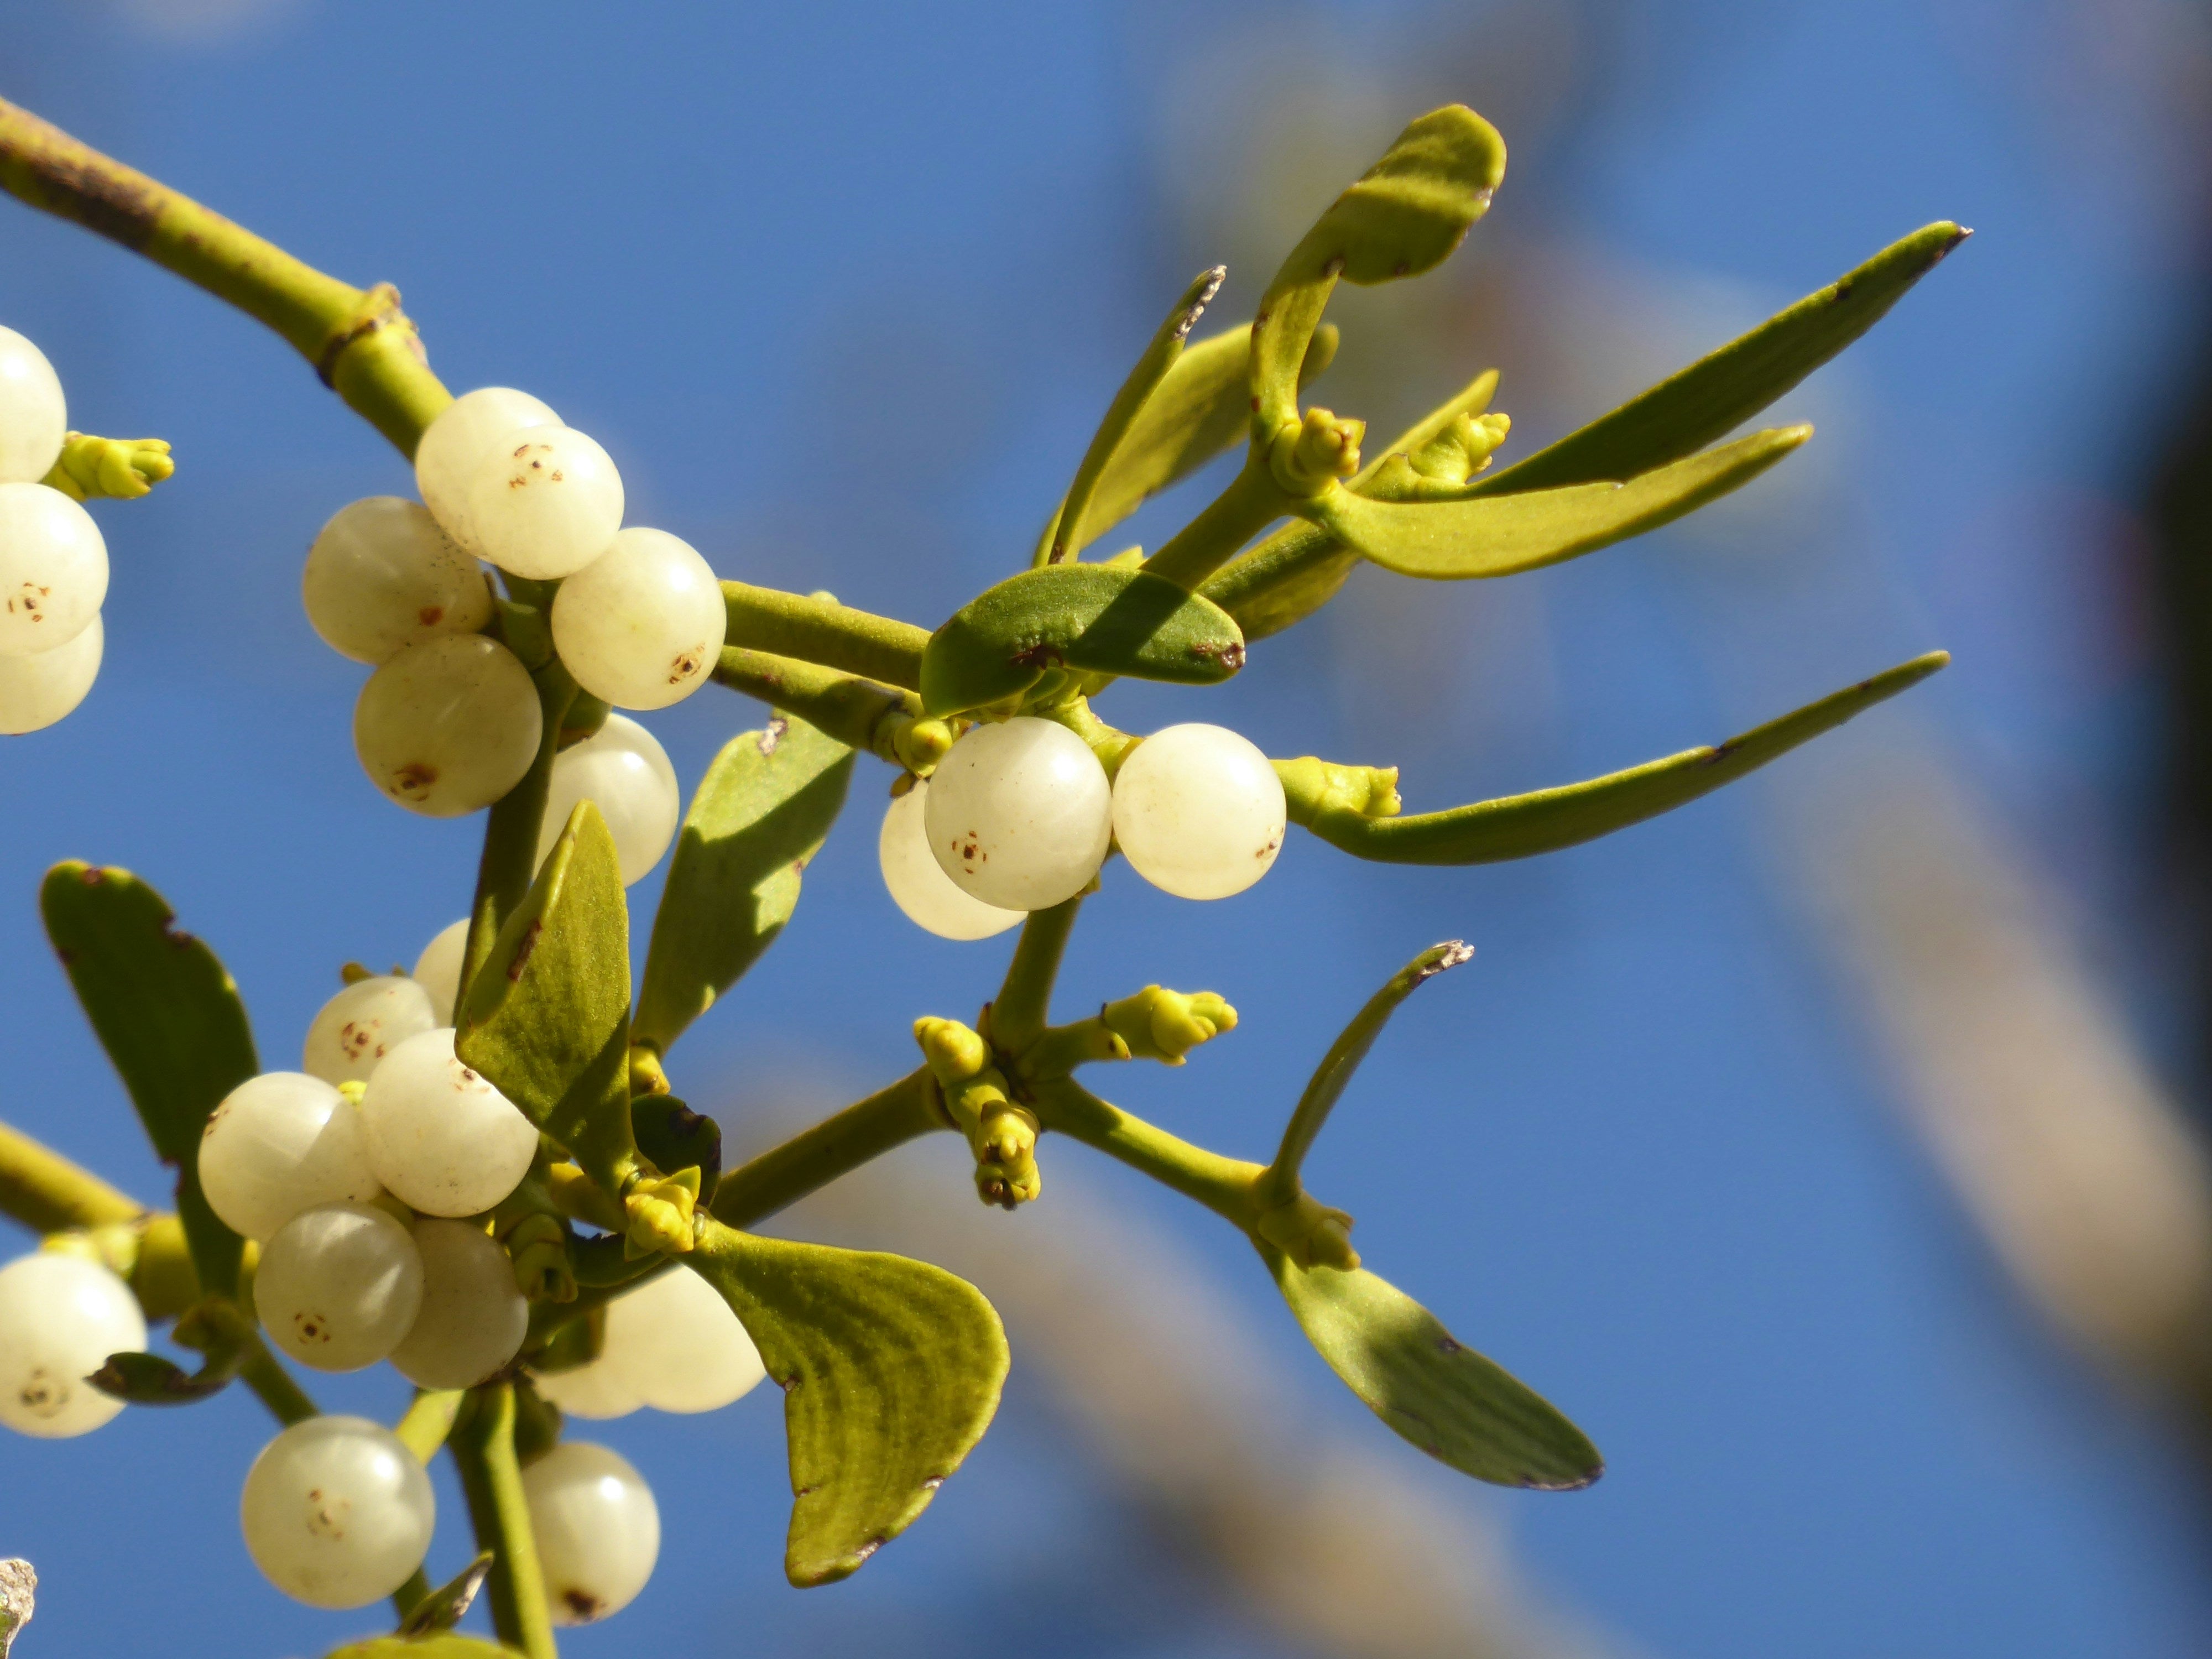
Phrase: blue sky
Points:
(842, 287)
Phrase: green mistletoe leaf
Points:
(757, 819)
(1103, 619)
(890, 1371)
(547, 1019)
(169, 1016)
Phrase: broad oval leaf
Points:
(890, 1371)
(1101, 619)
(1521, 826)
(1500, 535)
(757, 819)
(547, 1018)
(1200, 407)
(1717, 393)
(1403, 217)
(1430, 1387)
(169, 1016)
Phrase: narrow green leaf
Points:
(1160, 357)
(1327, 1084)
(1429, 1388)
(1403, 217)
(547, 1019)
(1102, 619)
(1716, 394)
(1520, 826)
(1200, 407)
(759, 817)
(890, 1371)
(1293, 572)
(1499, 535)
(169, 1016)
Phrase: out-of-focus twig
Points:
(1324, 1542)
(2090, 1186)
(18, 1586)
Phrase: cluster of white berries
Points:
(1020, 815)
(365, 1179)
(449, 722)
(54, 562)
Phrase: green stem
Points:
(47, 1192)
(287, 1400)
(1252, 502)
(483, 1445)
(361, 342)
(429, 1420)
(509, 861)
(1226, 1186)
(812, 1159)
(821, 630)
(861, 713)
(1024, 1000)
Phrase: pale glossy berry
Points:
(596, 1389)
(473, 1319)
(33, 414)
(438, 1136)
(382, 576)
(438, 969)
(544, 502)
(448, 726)
(623, 770)
(642, 625)
(597, 1529)
(355, 1028)
(53, 569)
(1198, 811)
(919, 888)
(279, 1144)
(454, 445)
(1019, 814)
(339, 1286)
(676, 1343)
(60, 1317)
(36, 691)
(337, 1512)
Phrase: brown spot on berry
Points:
(586, 1608)
(415, 778)
(431, 615)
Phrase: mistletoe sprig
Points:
(565, 1212)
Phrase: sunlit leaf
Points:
(1718, 393)
(1403, 217)
(1104, 619)
(1200, 407)
(169, 1016)
(1428, 1386)
(759, 817)
(1520, 826)
(1327, 1085)
(890, 1371)
(547, 1019)
(1499, 535)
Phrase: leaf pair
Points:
(1623, 474)
(1395, 1354)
